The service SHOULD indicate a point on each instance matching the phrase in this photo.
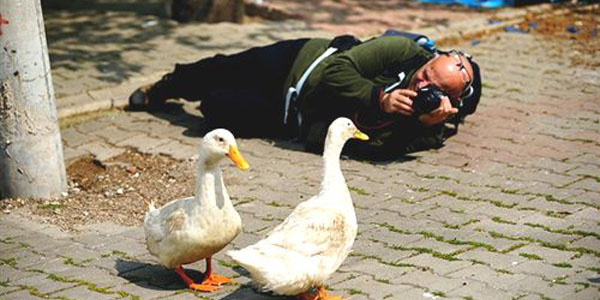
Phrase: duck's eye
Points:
(220, 139)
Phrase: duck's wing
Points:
(161, 222)
(311, 231)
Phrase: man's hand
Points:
(444, 111)
(398, 101)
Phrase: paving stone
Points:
(381, 253)
(114, 135)
(55, 265)
(77, 252)
(587, 242)
(144, 290)
(370, 288)
(143, 143)
(493, 278)
(586, 214)
(73, 138)
(389, 237)
(586, 294)
(439, 266)
(177, 150)
(102, 151)
(375, 269)
(70, 154)
(434, 245)
(20, 295)
(99, 277)
(23, 258)
(5, 289)
(495, 260)
(541, 269)
(429, 281)
(82, 292)
(121, 245)
(90, 127)
(43, 284)
(545, 288)
(549, 255)
(36, 241)
(8, 273)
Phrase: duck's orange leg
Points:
(213, 279)
(320, 294)
(195, 286)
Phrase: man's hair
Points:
(469, 103)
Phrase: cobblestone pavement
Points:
(508, 209)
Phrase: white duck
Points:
(313, 241)
(190, 229)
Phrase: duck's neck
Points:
(210, 189)
(332, 172)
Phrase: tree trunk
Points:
(210, 11)
(31, 157)
(226, 11)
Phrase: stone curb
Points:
(117, 96)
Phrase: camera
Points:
(428, 98)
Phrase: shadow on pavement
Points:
(153, 276)
(196, 127)
(101, 41)
(155, 7)
(156, 277)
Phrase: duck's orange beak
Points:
(360, 135)
(236, 157)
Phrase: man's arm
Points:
(350, 73)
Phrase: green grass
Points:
(510, 191)
(458, 226)
(457, 211)
(354, 291)
(438, 294)
(530, 256)
(488, 86)
(551, 198)
(503, 271)
(383, 281)
(51, 206)
(358, 191)
(513, 247)
(502, 221)
(274, 204)
(228, 265)
(244, 201)
(557, 214)
(562, 265)
(9, 261)
(449, 193)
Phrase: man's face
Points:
(445, 72)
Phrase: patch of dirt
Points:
(118, 191)
(580, 26)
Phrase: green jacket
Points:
(351, 84)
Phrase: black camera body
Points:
(428, 98)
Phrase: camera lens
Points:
(428, 98)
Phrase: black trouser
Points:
(242, 92)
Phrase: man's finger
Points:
(405, 92)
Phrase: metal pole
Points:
(31, 156)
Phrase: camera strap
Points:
(401, 77)
(294, 91)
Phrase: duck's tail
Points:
(151, 206)
(259, 262)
